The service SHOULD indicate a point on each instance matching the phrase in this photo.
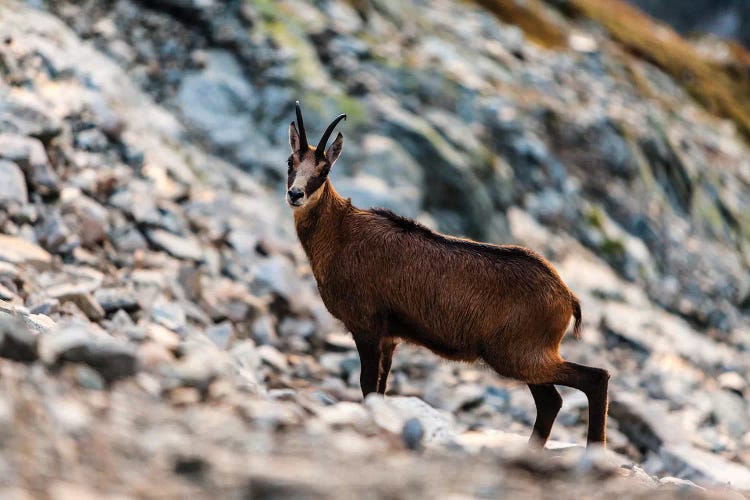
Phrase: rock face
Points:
(159, 320)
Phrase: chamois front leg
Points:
(386, 356)
(369, 358)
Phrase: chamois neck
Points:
(318, 224)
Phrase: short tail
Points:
(577, 316)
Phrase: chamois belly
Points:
(454, 345)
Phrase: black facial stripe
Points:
(315, 182)
(290, 173)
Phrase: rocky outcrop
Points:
(159, 321)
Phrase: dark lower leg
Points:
(386, 356)
(369, 358)
(548, 403)
(593, 382)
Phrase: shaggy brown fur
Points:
(388, 278)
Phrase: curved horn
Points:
(320, 150)
(301, 126)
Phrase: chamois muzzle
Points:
(295, 196)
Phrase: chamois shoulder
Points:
(403, 223)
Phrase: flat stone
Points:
(221, 335)
(81, 298)
(345, 413)
(704, 467)
(392, 414)
(20, 251)
(76, 342)
(113, 299)
(170, 315)
(162, 336)
(182, 247)
(272, 357)
(340, 342)
(39, 323)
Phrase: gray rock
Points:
(182, 247)
(386, 159)
(680, 484)
(39, 324)
(19, 251)
(272, 357)
(29, 154)
(452, 181)
(17, 342)
(12, 184)
(137, 200)
(392, 413)
(221, 335)
(340, 341)
(199, 368)
(367, 192)
(91, 139)
(76, 342)
(732, 381)
(89, 378)
(79, 296)
(263, 330)
(704, 467)
(218, 100)
(412, 433)
(345, 413)
(26, 114)
(112, 299)
(126, 238)
(92, 220)
(276, 274)
(169, 314)
(293, 327)
(730, 410)
(54, 235)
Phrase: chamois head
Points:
(308, 165)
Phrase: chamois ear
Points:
(294, 141)
(335, 149)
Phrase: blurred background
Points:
(162, 335)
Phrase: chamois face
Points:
(306, 173)
(309, 166)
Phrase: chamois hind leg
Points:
(386, 356)
(548, 403)
(369, 358)
(593, 382)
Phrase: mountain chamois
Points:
(388, 278)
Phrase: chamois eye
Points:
(289, 164)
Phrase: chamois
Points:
(388, 278)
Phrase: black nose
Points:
(295, 194)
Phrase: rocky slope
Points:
(161, 331)
(725, 18)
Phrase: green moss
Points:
(705, 212)
(613, 249)
(267, 8)
(306, 69)
(595, 218)
(744, 222)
